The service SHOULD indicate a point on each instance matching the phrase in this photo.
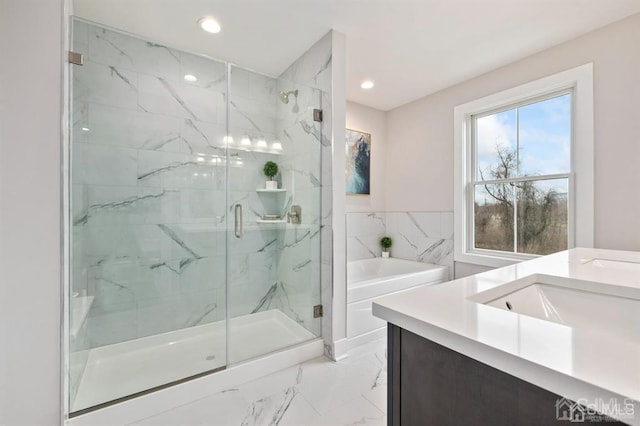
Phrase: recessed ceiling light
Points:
(209, 25)
(190, 78)
(367, 84)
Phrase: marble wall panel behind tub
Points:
(422, 236)
(364, 231)
(418, 236)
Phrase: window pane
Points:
(545, 136)
(493, 213)
(542, 216)
(495, 145)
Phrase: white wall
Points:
(339, 273)
(420, 146)
(30, 246)
(373, 121)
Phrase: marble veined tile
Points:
(100, 165)
(420, 224)
(358, 411)
(329, 388)
(199, 137)
(162, 96)
(366, 224)
(220, 409)
(113, 126)
(280, 398)
(174, 170)
(263, 89)
(106, 85)
(311, 68)
(105, 205)
(363, 248)
(124, 51)
(239, 82)
(210, 74)
(251, 116)
(202, 206)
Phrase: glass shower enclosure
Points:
(181, 262)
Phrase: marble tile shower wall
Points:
(314, 70)
(149, 190)
(419, 236)
(148, 186)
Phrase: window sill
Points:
(494, 260)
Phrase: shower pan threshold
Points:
(122, 369)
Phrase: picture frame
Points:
(358, 162)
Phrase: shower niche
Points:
(175, 269)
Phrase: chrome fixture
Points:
(238, 221)
(284, 97)
(295, 215)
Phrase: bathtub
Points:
(371, 278)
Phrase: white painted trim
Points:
(580, 79)
(145, 406)
(341, 349)
(370, 336)
(339, 108)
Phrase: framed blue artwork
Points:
(358, 162)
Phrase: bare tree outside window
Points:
(518, 208)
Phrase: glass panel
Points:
(496, 145)
(148, 182)
(542, 216)
(274, 278)
(493, 217)
(544, 130)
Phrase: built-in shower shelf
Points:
(265, 221)
(271, 190)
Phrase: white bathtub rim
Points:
(414, 267)
(362, 290)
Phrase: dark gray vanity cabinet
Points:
(430, 384)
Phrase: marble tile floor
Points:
(318, 392)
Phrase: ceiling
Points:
(409, 48)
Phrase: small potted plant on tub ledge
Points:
(270, 170)
(385, 243)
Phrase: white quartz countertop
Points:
(579, 363)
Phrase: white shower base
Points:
(122, 369)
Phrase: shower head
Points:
(284, 96)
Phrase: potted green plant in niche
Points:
(270, 170)
(385, 243)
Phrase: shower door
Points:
(148, 205)
(180, 262)
(274, 257)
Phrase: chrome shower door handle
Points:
(238, 220)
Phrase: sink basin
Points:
(577, 304)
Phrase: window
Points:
(524, 161)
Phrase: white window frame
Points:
(579, 81)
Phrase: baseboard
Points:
(361, 339)
(341, 349)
